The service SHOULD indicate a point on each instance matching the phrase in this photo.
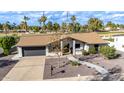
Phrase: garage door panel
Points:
(33, 51)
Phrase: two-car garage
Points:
(33, 51)
(33, 45)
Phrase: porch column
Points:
(47, 50)
(73, 47)
(19, 51)
(61, 46)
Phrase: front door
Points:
(96, 47)
(66, 49)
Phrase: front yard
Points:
(108, 64)
(65, 69)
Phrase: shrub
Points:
(6, 43)
(109, 52)
(16, 37)
(75, 63)
(85, 53)
(92, 50)
(110, 39)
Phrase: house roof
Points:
(42, 40)
(90, 38)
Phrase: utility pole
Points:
(67, 21)
(43, 13)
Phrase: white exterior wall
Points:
(86, 47)
(74, 47)
(19, 51)
(72, 43)
(47, 50)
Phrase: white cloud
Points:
(19, 12)
(47, 12)
(49, 16)
(34, 15)
(72, 12)
(64, 13)
(64, 19)
(117, 15)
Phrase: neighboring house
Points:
(107, 28)
(38, 45)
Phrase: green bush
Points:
(92, 50)
(108, 52)
(85, 53)
(16, 37)
(110, 39)
(6, 43)
(75, 63)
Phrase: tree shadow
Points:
(4, 63)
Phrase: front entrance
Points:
(96, 47)
(66, 49)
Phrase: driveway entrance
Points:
(28, 68)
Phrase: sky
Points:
(61, 16)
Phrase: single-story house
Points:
(37, 45)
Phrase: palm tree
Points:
(14, 26)
(64, 26)
(43, 19)
(22, 25)
(70, 27)
(39, 21)
(111, 25)
(77, 27)
(6, 27)
(73, 19)
(56, 26)
(1, 26)
(84, 28)
(50, 26)
(94, 24)
(25, 19)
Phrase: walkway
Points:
(100, 69)
(28, 68)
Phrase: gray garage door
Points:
(34, 51)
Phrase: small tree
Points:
(56, 45)
(109, 52)
(6, 43)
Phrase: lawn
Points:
(110, 39)
(110, 33)
(9, 34)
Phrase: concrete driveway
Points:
(27, 69)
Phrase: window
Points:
(77, 45)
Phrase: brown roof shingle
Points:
(90, 38)
(42, 40)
